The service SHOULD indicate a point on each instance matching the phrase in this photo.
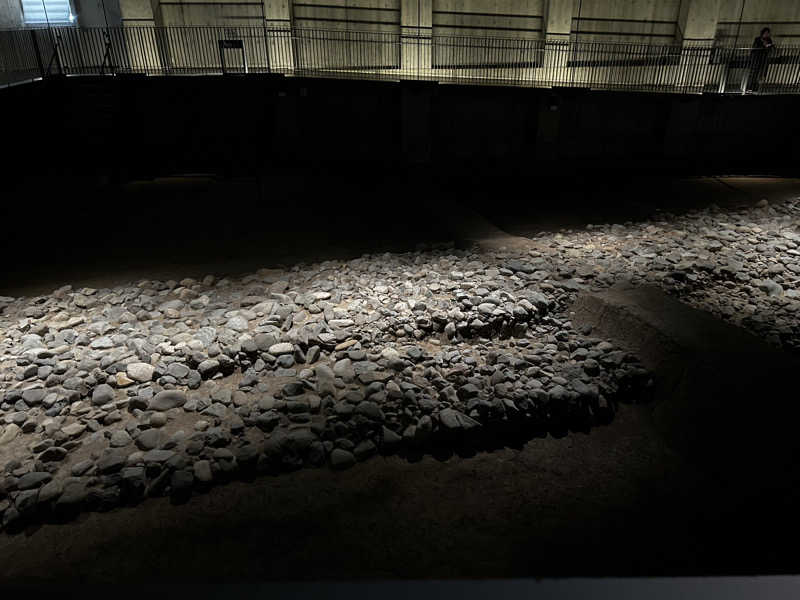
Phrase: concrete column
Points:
(416, 29)
(158, 15)
(697, 26)
(10, 14)
(558, 19)
(697, 21)
(279, 24)
(557, 27)
(136, 12)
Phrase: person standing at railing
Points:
(759, 59)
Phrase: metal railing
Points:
(28, 54)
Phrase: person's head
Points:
(765, 33)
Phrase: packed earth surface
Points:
(164, 388)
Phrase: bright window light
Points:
(42, 12)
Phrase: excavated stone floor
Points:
(144, 388)
(166, 387)
(159, 388)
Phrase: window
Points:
(42, 12)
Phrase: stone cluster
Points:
(160, 388)
(108, 396)
(742, 265)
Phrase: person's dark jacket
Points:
(760, 52)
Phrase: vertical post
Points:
(57, 51)
(38, 52)
(107, 35)
(266, 40)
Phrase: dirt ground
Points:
(612, 502)
(498, 514)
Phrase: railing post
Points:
(266, 42)
(38, 52)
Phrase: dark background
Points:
(133, 127)
(382, 163)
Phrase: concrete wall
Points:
(642, 21)
(10, 14)
(489, 18)
(373, 23)
(96, 13)
(500, 20)
(217, 12)
(363, 15)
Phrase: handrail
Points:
(425, 55)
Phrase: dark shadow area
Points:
(545, 203)
(84, 228)
(192, 226)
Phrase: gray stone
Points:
(326, 380)
(157, 456)
(149, 439)
(33, 479)
(53, 454)
(177, 370)
(9, 434)
(50, 491)
(74, 430)
(453, 419)
(111, 461)
(202, 471)
(342, 459)
(281, 348)
(103, 394)
(364, 450)
(390, 439)
(237, 323)
(102, 343)
(208, 368)
(81, 467)
(26, 500)
(74, 494)
(167, 399)
(216, 410)
(770, 287)
(141, 372)
(34, 397)
(119, 439)
(370, 410)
